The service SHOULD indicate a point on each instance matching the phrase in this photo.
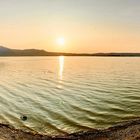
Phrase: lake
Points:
(68, 94)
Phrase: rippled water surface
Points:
(68, 94)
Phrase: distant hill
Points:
(3, 49)
(35, 52)
(27, 52)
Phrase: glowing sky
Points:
(85, 25)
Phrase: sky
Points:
(71, 25)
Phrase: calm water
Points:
(68, 94)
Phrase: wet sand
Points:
(129, 130)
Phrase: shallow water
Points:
(67, 94)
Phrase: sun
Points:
(61, 41)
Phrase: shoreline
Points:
(126, 130)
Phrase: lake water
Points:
(68, 94)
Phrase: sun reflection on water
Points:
(61, 67)
(60, 73)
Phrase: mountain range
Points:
(4, 51)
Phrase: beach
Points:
(128, 130)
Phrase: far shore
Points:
(7, 52)
(71, 56)
(77, 55)
(127, 130)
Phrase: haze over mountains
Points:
(4, 51)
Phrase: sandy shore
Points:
(129, 130)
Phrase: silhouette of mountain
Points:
(35, 52)
(26, 52)
(3, 49)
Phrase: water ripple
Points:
(88, 93)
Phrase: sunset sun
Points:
(61, 41)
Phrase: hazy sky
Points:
(85, 25)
